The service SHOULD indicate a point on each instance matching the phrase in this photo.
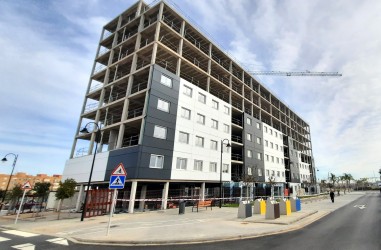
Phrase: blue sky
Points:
(48, 48)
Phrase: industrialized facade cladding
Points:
(165, 97)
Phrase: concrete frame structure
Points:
(148, 60)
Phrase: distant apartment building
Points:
(21, 178)
(165, 97)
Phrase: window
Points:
(213, 145)
(276, 146)
(181, 163)
(259, 140)
(281, 148)
(166, 80)
(201, 98)
(266, 143)
(214, 124)
(199, 141)
(225, 168)
(249, 171)
(281, 160)
(188, 91)
(271, 145)
(185, 113)
(272, 158)
(259, 156)
(271, 131)
(272, 173)
(156, 161)
(200, 119)
(282, 174)
(276, 134)
(160, 132)
(265, 129)
(267, 172)
(259, 172)
(226, 110)
(226, 128)
(215, 104)
(213, 167)
(267, 158)
(198, 165)
(277, 160)
(248, 136)
(249, 153)
(278, 173)
(183, 137)
(248, 120)
(258, 125)
(163, 105)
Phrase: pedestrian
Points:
(332, 195)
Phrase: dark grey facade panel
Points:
(253, 162)
(145, 172)
(129, 157)
(154, 116)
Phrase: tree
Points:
(347, 178)
(15, 195)
(41, 189)
(65, 190)
(272, 183)
(249, 179)
(333, 178)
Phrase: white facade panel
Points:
(190, 150)
(79, 168)
(273, 153)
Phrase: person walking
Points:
(332, 195)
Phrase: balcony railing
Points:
(138, 87)
(236, 157)
(237, 138)
(135, 113)
(237, 121)
(131, 141)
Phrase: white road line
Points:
(20, 233)
(3, 239)
(26, 246)
(60, 241)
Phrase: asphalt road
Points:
(354, 226)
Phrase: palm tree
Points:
(347, 178)
(333, 178)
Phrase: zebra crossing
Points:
(15, 239)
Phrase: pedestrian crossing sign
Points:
(117, 181)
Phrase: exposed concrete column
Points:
(165, 196)
(79, 199)
(132, 197)
(202, 191)
(142, 197)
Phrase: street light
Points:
(97, 139)
(10, 177)
(222, 145)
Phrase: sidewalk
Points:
(168, 227)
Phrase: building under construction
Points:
(182, 116)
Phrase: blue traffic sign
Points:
(117, 181)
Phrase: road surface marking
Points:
(26, 246)
(60, 241)
(20, 233)
(360, 206)
(3, 239)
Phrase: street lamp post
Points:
(222, 145)
(97, 139)
(10, 177)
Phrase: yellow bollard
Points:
(288, 207)
(263, 207)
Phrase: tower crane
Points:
(297, 73)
